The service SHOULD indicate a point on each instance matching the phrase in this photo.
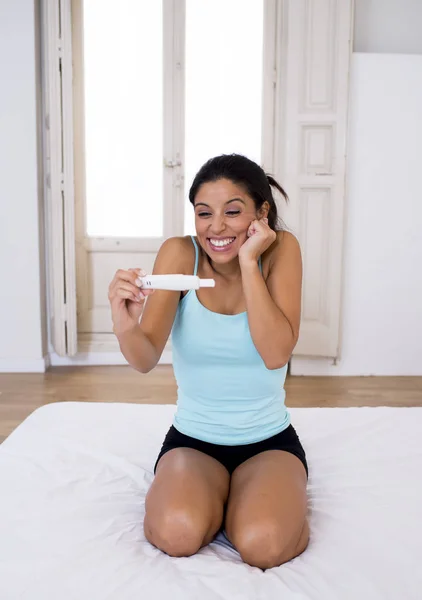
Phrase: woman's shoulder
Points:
(286, 239)
(178, 243)
(178, 253)
(285, 243)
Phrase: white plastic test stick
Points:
(175, 282)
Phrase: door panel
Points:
(311, 155)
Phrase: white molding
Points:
(99, 358)
(24, 365)
(93, 343)
(68, 177)
(326, 367)
(100, 349)
(174, 13)
(269, 80)
(116, 244)
(83, 282)
(58, 165)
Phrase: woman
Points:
(231, 459)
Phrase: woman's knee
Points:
(176, 532)
(263, 544)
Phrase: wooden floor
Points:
(20, 394)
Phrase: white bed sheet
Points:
(73, 479)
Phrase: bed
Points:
(73, 479)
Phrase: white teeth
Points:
(225, 242)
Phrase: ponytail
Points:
(274, 220)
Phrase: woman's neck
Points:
(229, 271)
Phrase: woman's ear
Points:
(263, 211)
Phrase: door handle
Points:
(171, 164)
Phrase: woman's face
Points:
(223, 214)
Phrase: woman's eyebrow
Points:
(236, 200)
(228, 202)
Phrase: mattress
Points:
(73, 479)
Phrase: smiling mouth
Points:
(222, 244)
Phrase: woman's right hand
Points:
(126, 299)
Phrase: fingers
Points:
(120, 277)
(138, 282)
(131, 276)
(135, 292)
(122, 294)
(252, 228)
(125, 286)
(257, 225)
(125, 292)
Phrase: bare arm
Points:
(274, 306)
(142, 343)
(137, 349)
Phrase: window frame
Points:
(68, 244)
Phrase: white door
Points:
(159, 87)
(126, 191)
(310, 154)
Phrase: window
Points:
(123, 64)
(123, 101)
(224, 59)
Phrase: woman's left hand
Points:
(261, 236)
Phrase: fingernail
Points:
(141, 296)
(138, 282)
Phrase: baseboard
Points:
(328, 367)
(24, 365)
(47, 361)
(99, 358)
(313, 367)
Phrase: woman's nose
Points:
(218, 224)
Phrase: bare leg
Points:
(266, 513)
(185, 504)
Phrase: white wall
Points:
(21, 284)
(392, 26)
(382, 318)
(382, 297)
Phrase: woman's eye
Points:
(231, 213)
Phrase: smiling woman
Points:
(228, 194)
(232, 458)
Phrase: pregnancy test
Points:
(178, 283)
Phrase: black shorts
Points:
(232, 456)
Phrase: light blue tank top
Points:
(226, 395)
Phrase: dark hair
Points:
(245, 172)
